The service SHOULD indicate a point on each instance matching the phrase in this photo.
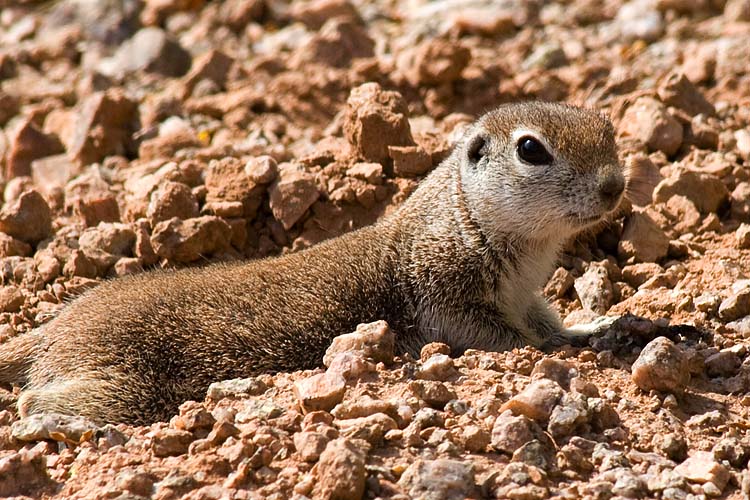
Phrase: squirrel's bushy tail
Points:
(16, 356)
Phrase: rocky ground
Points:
(177, 132)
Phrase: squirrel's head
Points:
(540, 170)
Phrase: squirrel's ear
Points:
(476, 148)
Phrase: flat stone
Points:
(661, 366)
(320, 392)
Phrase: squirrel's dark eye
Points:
(532, 151)
(477, 148)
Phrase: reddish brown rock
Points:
(537, 400)
(648, 120)
(293, 192)
(375, 119)
(702, 467)
(676, 90)
(315, 13)
(642, 239)
(10, 246)
(707, 191)
(27, 144)
(29, 218)
(104, 125)
(91, 198)
(661, 366)
(212, 65)
(227, 180)
(337, 44)
(172, 199)
(341, 471)
(320, 392)
(153, 50)
(237, 14)
(409, 161)
(434, 62)
(374, 340)
(188, 240)
(171, 442)
(11, 299)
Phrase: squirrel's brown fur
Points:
(459, 262)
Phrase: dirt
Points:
(171, 133)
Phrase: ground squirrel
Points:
(460, 262)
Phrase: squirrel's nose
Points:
(611, 187)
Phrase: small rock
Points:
(171, 442)
(409, 161)
(237, 387)
(594, 289)
(310, 445)
(11, 299)
(474, 439)
(24, 472)
(559, 284)
(438, 480)
(375, 119)
(10, 246)
(510, 432)
(723, 364)
(435, 394)
(535, 454)
(437, 367)
(315, 13)
(639, 21)
(153, 50)
(371, 428)
(648, 121)
(571, 413)
(172, 199)
(227, 180)
(351, 364)
(212, 65)
(320, 392)
(190, 239)
(433, 348)
(106, 243)
(742, 235)
(683, 213)
(38, 427)
(104, 126)
(363, 407)
(733, 450)
(637, 274)
(338, 43)
(555, 369)
(26, 145)
(706, 191)
(434, 62)
(536, 401)
(291, 194)
(341, 471)
(375, 340)
(642, 239)
(661, 366)
(740, 202)
(676, 90)
(736, 305)
(742, 137)
(368, 172)
(261, 169)
(674, 446)
(701, 468)
(28, 219)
